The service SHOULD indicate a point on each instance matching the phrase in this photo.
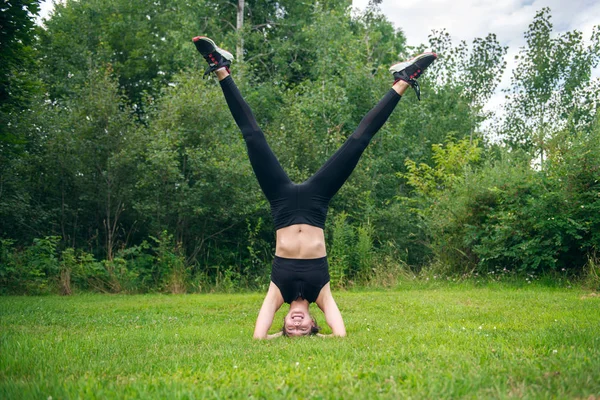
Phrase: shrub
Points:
(140, 262)
(32, 270)
(509, 215)
(9, 269)
(340, 250)
(170, 270)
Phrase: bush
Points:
(354, 257)
(140, 264)
(591, 278)
(33, 270)
(170, 270)
(491, 221)
(403, 233)
(341, 249)
(510, 215)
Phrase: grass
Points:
(444, 341)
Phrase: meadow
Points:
(416, 341)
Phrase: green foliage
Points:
(507, 216)
(8, 265)
(476, 71)
(592, 273)
(144, 42)
(140, 260)
(552, 87)
(432, 186)
(19, 89)
(17, 86)
(340, 250)
(80, 271)
(451, 162)
(33, 270)
(574, 172)
(110, 138)
(194, 176)
(259, 251)
(67, 264)
(502, 226)
(352, 254)
(364, 250)
(403, 232)
(170, 270)
(117, 277)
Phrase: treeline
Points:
(121, 168)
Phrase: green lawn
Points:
(455, 341)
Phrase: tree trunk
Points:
(541, 142)
(108, 226)
(239, 27)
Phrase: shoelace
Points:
(410, 79)
(214, 64)
(416, 87)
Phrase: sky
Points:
(468, 19)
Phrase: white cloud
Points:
(468, 19)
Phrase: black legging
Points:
(325, 183)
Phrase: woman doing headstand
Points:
(300, 274)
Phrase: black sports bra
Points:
(300, 278)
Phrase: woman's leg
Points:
(332, 175)
(267, 169)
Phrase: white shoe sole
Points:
(404, 64)
(226, 55)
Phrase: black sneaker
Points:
(410, 70)
(216, 57)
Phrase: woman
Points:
(300, 274)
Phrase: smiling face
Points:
(298, 323)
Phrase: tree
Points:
(18, 84)
(473, 72)
(239, 28)
(144, 42)
(86, 172)
(194, 177)
(551, 87)
(20, 90)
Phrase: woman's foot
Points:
(216, 57)
(409, 71)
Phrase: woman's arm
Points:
(273, 300)
(333, 316)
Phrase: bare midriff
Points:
(300, 241)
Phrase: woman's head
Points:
(299, 323)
